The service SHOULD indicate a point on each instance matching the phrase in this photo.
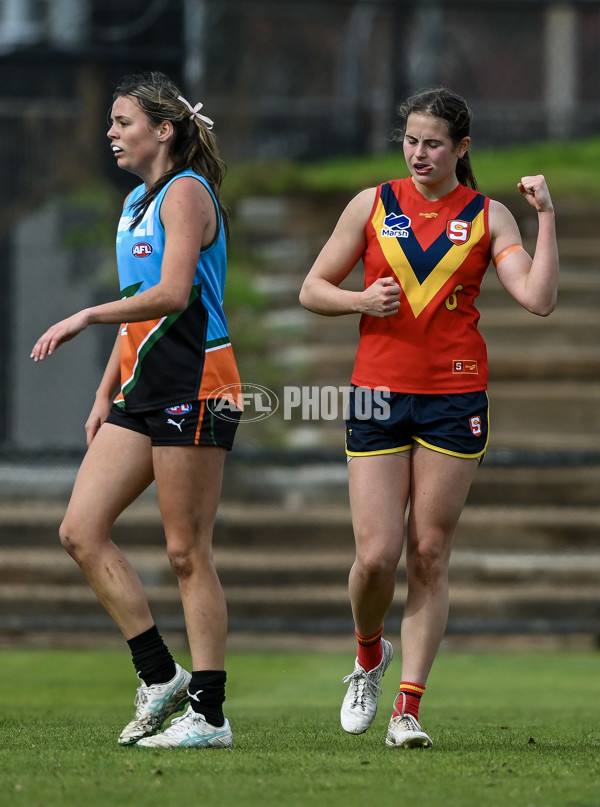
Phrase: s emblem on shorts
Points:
(475, 424)
(180, 409)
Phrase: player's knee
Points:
(66, 535)
(428, 563)
(182, 562)
(376, 566)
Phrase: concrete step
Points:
(573, 326)
(562, 363)
(542, 527)
(545, 414)
(499, 481)
(331, 364)
(541, 485)
(577, 287)
(237, 567)
(486, 587)
(500, 325)
(281, 568)
(529, 603)
(306, 602)
(37, 494)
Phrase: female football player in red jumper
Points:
(417, 425)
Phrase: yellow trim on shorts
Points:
(479, 456)
(398, 450)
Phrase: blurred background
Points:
(303, 95)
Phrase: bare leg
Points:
(115, 470)
(439, 488)
(379, 487)
(188, 481)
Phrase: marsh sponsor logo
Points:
(395, 226)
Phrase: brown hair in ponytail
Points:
(446, 105)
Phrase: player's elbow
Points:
(305, 297)
(542, 309)
(173, 302)
(545, 312)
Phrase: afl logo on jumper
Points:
(181, 409)
(458, 231)
(141, 250)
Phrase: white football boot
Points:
(154, 704)
(360, 704)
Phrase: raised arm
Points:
(533, 282)
(320, 291)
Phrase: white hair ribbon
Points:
(195, 112)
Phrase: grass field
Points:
(509, 729)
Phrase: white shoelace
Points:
(407, 721)
(361, 682)
(142, 696)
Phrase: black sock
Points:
(151, 657)
(207, 693)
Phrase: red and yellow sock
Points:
(369, 652)
(409, 699)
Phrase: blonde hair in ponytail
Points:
(194, 146)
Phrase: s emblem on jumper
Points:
(458, 231)
(464, 367)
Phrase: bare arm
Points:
(320, 291)
(533, 282)
(188, 215)
(105, 392)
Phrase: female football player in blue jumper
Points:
(155, 415)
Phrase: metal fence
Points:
(314, 78)
(305, 78)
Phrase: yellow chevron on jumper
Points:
(419, 295)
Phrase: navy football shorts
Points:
(383, 422)
(190, 424)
